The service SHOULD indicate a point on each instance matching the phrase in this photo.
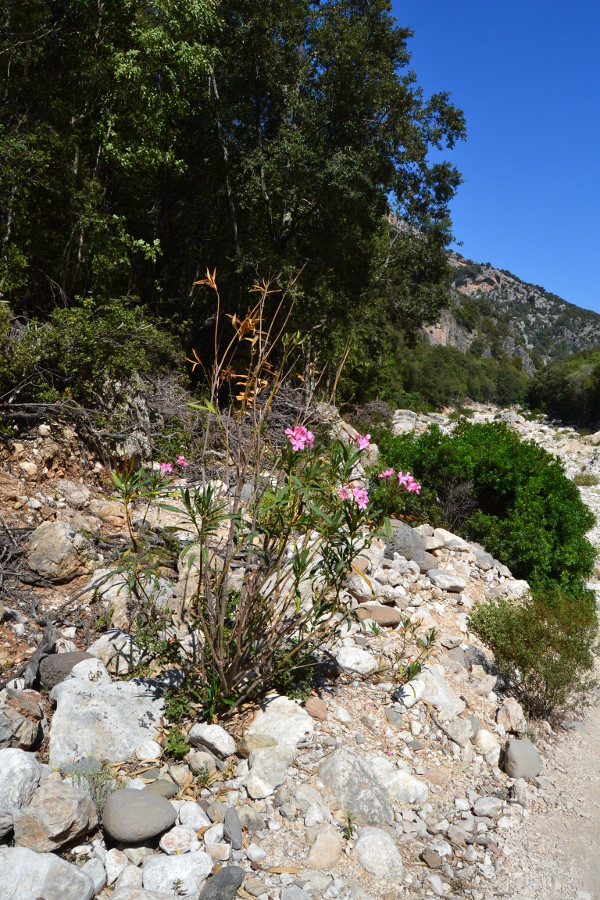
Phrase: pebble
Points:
(134, 816)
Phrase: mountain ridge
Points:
(493, 310)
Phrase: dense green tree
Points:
(521, 507)
(141, 143)
(569, 388)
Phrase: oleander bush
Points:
(272, 541)
(543, 646)
(516, 499)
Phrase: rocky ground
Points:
(369, 789)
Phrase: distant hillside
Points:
(494, 311)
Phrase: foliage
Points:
(569, 388)
(585, 479)
(270, 562)
(140, 143)
(205, 777)
(176, 744)
(89, 352)
(526, 511)
(423, 376)
(349, 827)
(100, 783)
(543, 647)
(415, 651)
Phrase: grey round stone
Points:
(405, 541)
(55, 668)
(132, 816)
(223, 885)
(251, 819)
(521, 759)
(163, 788)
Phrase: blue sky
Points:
(527, 75)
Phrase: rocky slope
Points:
(495, 307)
(373, 788)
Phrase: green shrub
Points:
(509, 494)
(176, 744)
(585, 479)
(85, 352)
(271, 562)
(543, 647)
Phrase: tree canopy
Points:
(142, 143)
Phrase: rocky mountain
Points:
(499, 311)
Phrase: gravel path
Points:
(557, 855)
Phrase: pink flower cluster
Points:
(166, 468)
(404, 478)
(363, 441)
(411, 485)
(359, 494)
(300, 437)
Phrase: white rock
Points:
(214, 737)
(179, 839)
(193, 816)
(219, 852)
(115, 863)
(90, 670)
(148, 750)
(377, 853)
(402, 786)
(342, 715)
(214, 834)
(20, 775)
(487, 744)
(429, 685)
(284, 720)
(511, 716)
(189, 871)
(446, 581)
(313, 816)
(363, 588)
(131, 877)
(258, 786)
(356, 659)
(448, 541)
(105, 721)
(255, 853)
(57, 550)
(94, 869)
(117, 650)
(268, 769)
(26, 874)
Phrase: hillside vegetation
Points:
(570, 388)
(142, 145)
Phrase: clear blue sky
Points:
(527, 75)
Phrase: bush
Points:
(514, 498)
(85, 353)
(543, 646)
(273, 541)
(585, 479)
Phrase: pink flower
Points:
(361, 497)
(166, 468)
(387, 473)
(182, 461)
(407, 481)
(344, 493)
(300, 437)
(363, 441)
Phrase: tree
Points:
(140, 144)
